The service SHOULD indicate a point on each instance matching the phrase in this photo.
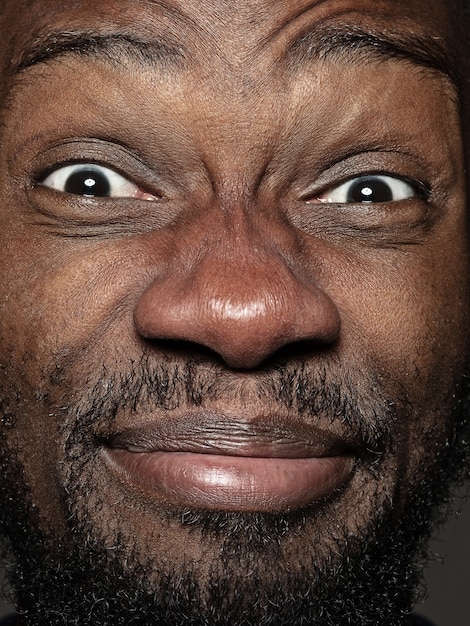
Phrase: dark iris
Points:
(370, 189)
(88, 182)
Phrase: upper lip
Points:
(205, 432)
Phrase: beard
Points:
(364, 576)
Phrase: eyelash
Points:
(361, 190)
(93, 180)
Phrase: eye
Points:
(91, 181)
(370, 189)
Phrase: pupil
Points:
(88, 182)
(370, 190)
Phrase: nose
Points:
(243, 300)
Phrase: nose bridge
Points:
(246, 259)
(244, 278)
(238, 292)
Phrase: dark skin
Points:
(231, 242)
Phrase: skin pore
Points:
(234, 336)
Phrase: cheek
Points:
(68, 298)
(408, 304)
(418, 318)
(411, 313)
(54, 300)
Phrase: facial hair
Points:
(366, 579)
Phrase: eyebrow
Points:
(113, 48)
(344, 42)
(351, 43)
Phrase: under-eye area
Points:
(369, 209)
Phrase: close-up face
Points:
(234, 299)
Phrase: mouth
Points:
(217, 462)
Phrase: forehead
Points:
(252, 13)
(234, 29)
(231, 46)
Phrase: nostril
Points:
(300, 350)
(187, 349)
(195, 352)
(192, 351)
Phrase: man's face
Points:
(234, 294)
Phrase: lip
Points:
(215, 462)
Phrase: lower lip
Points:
(232, 483)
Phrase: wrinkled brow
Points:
(345, 43)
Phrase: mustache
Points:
(360, 404)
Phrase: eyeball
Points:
(93, 181)
(369, 189)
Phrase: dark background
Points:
(448, 576)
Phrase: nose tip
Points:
(243, 313)
(251, 331)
